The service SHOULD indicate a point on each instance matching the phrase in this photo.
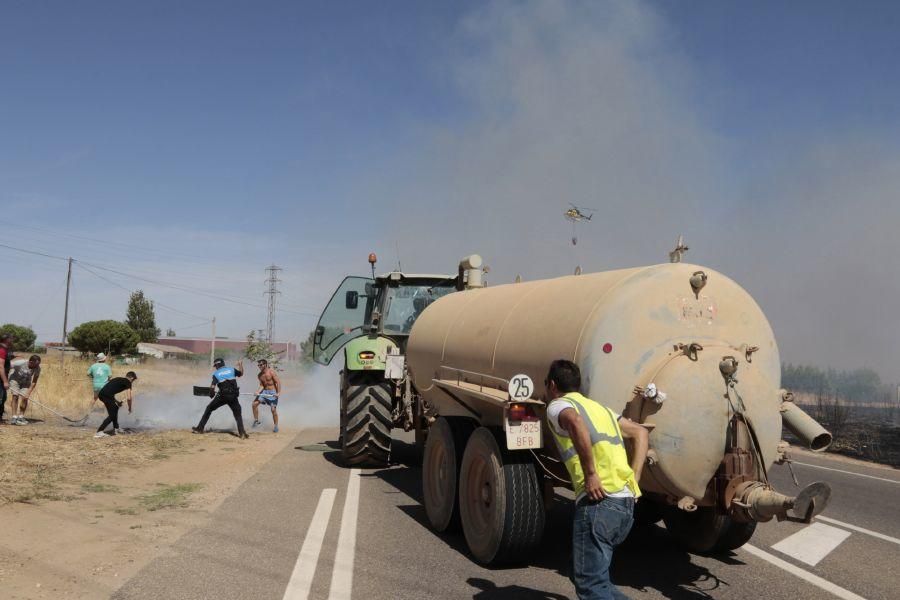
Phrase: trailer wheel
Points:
(736, 534)
(647, 513)
(441, 461)
(366, 423)
(697, 531)
(501, 504)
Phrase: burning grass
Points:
(67, 389)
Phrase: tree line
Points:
(857, 385)
(107, 335)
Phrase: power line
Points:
(190, 290)
(34, 252)
(182, 288)
(107, 243)
(155, 302)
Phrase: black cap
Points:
(219, 362)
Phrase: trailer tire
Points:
(501, 501)
(366, 423)
(647, 513)
(699, 531)
(441, 460)
(736, 534)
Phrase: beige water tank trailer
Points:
(692, 332)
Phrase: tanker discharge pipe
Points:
(803, 426)
(755, 501)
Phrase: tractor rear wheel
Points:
(366, 423)
(501, 501)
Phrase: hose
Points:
(80, 422)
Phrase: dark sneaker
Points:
(196, 430)
(245, 436)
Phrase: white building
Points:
(161, 350)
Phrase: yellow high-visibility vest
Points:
(610, 458)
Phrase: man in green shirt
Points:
(99, 372)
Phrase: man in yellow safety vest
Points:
(589, 437)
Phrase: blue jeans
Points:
(597, 529)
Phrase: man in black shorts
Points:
(107, 396)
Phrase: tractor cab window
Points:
(405, 303)
(344, 318)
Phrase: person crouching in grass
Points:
(23, 378)
(107, 396)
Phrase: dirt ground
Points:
(82, 515)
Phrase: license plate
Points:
(523, 434)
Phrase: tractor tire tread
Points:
(367, 427)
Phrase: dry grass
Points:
(168, 496)
(68, 390)
(64, 463)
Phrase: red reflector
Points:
(607, 348)
(521, 412)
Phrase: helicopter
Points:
(576, 215)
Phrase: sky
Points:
(180, 148)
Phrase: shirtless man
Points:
(269, 390)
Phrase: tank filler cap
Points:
(698, 282)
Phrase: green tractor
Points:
(371, 318)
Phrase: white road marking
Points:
(305, 568)
(813, 543)
(342, 577)
(817, 581)
(880, 536)
(847, 472)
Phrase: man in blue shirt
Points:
(228, 393)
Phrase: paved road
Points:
(363, 534)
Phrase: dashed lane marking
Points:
(305, 568)
(847, 472)
(875, 534)
(813, 543)
(342, 577)
(822, 584)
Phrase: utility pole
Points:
(271, 292)
(62, 348)
(212, 345)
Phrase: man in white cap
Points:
(99, 372)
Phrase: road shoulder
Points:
(103, 531)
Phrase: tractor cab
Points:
(384, 306)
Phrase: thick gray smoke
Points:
(308, 399)
(594, 104)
